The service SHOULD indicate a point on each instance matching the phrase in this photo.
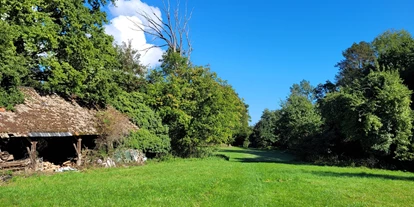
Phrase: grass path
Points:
(249, 178)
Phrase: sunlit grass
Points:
(249, 178)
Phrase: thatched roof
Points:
(48, 116)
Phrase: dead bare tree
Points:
(174, 31)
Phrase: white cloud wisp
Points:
(123, 28)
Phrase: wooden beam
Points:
(78, 149)
(32, 155)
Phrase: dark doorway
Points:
(56, 150)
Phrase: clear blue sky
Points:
(262, 47)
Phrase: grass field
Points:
(249, 178)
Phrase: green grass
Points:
(249, 178)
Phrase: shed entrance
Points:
(56, 150)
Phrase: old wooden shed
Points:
(48, 126)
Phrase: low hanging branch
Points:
(174, 31)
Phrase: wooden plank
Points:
(32, 155)
(79, 150)
(20, 163)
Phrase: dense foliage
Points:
(152, 137)
(264, 132)
(62, 47)
(12, 68)
(198, 107)
(375, 114)
(365, 114)
(59, 46)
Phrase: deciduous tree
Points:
(358, 60)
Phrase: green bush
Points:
(9, 98)
(148, 142)
(152, 137)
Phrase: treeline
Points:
(61, 47)
(365, 117)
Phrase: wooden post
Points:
(32, 155)
(78, 149)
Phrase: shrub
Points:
(9, 98)
(113, 127)
(152, 137)
(148, 142)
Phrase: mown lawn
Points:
(249, 178)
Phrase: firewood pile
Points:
(7, 162)
(6, 157)
(50, 167)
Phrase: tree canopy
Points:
(61, 47)
(199, 108)
(364, 115)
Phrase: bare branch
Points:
(152, 47)
(173, 31)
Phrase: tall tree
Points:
(64, 45)
(131, 74)
(199, 108)
(264, 132)
(321, 90)
(242, 134)
(299, 120)
(358, 60)
(396, 53)
(12, 68)
(173, 30)
(304, 88)
(375, 113)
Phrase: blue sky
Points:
(262, 47)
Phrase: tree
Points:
(131, 74)
(299, 120)
(242, 134)
(395, 51)
(359, 59)
(12, 68)
(304, 88)
(173, 32)
(66, 52)
(199, 108)
(322, 89)
(129, 59)
(264, 132)
(375, 113)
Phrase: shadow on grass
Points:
(277, 156)
(362, 175)
(266, 156)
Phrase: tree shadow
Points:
(362, 175)
(276, 156)
(266, 156)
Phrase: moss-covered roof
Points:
(48, 114)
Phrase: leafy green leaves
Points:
(12, 68)
(199, 108)
(153, 135)
(63, 46)
(375, 113)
